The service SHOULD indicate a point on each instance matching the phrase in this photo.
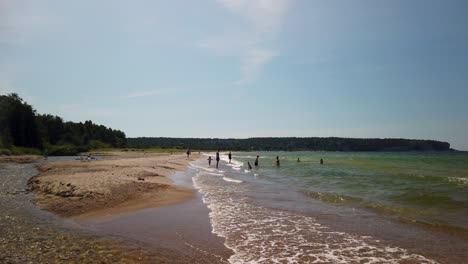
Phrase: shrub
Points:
(6, 152)
(96, 144)
(66, 150)
(24, 151)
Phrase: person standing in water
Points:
(217, 158)
(188, 153)
(230, 156)
(209, 161)
(277, 161)
(321, 161)
(256, 162)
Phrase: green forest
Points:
(291, 144)
(24, 131)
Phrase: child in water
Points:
(277, 161)
(209, 161)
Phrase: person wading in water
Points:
(217, 158)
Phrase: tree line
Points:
(22, 128)
(291, 144)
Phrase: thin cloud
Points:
(265, 19)
(145, 93)
(265, 15)
(253, 62)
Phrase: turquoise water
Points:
(425, 188)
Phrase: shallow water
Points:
(356, 208)
(182, 228)
(428, 187)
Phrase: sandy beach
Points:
(112, 184)
(125, 207)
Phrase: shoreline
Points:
(32, 235)
(182, 228)
(114, 184)
(163, 214)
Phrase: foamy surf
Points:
(215, 174)
(235, 164)
(262, 235)
(258, 234)
(231, 180)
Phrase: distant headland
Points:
(291, 144)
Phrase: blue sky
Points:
(245, 68)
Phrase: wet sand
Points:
(183, 228)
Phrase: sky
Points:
(245, 68)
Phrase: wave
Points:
(416, 215)
(331, 197)
(426, 199)
(436, 225)
(425, 179)
(258, 234)
(235, 164)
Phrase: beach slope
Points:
(113, 184)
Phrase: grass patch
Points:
(14, 150)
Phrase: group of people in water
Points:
(218, 159)
(256, 163)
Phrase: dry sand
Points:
(114, 184)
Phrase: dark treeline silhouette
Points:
(21, 126)
(291, 144)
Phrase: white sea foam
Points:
(235, 164)
(262, 235)
(215, 174)
(199, 167)
(231, 180)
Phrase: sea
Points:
(356, 207)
